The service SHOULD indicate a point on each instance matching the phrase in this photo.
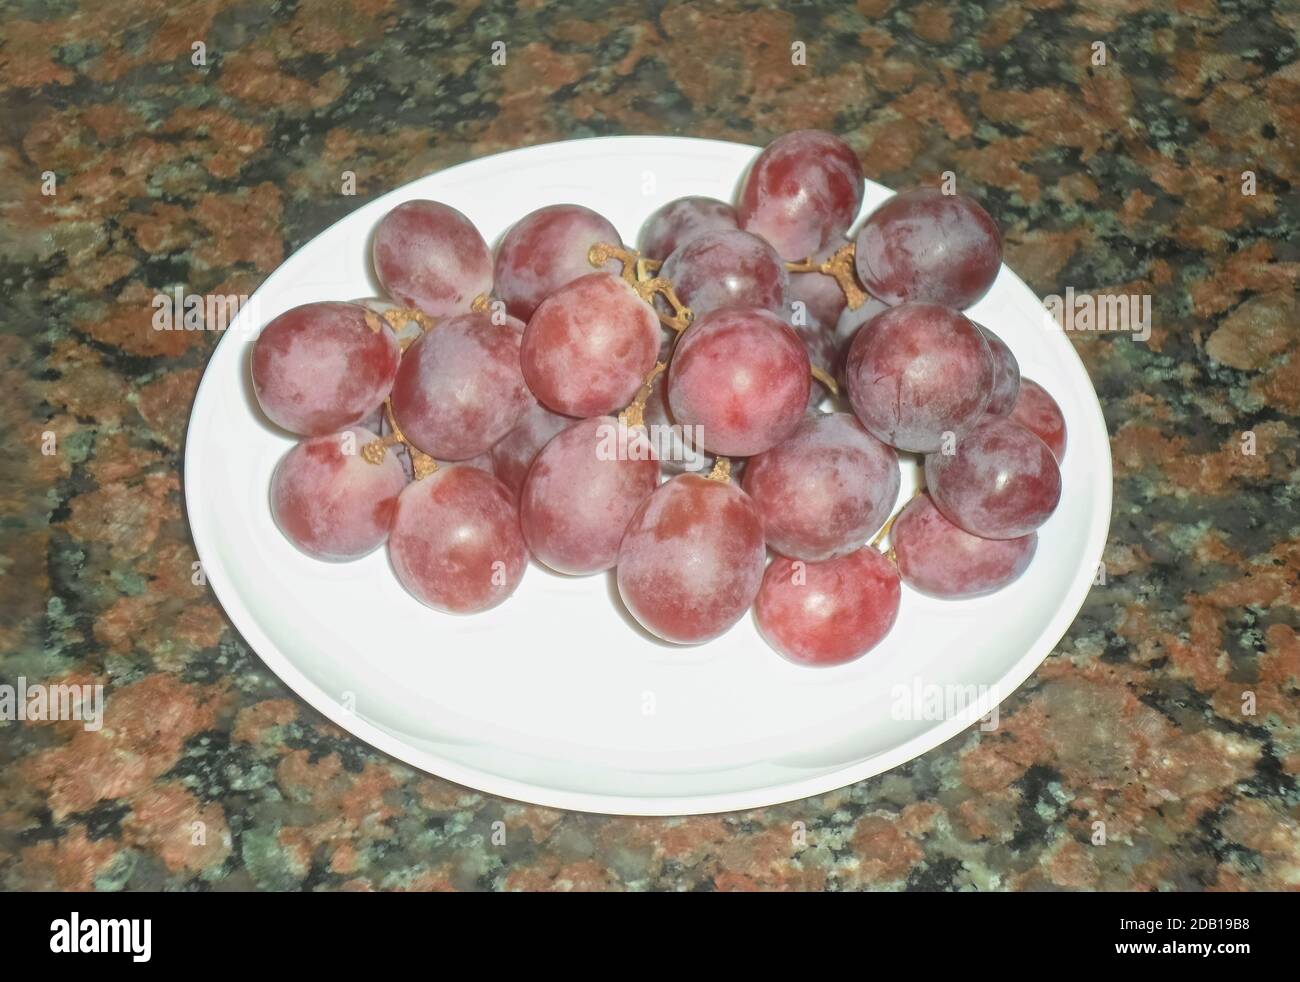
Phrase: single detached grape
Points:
(927, 245)
(589, 346)
(323, 367)
(824, 491)
(1006, 374)
(1038, 412)
(691, 560)
(816, 298)
(741, 373)
(460, 388)
(1001, 483)
(331, 502)
(513, 454)
(455, 543)
(802, 191)
(831, 612)
(938, 558)
(547, 249)
(581, 492)
(678, 447)
(676, 223)
(428, 255)
(919, 371)
(729, 268)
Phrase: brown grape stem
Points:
(840, 268)
(422, 465)
(399, 317)
(481, 303)
(637, 272)
(884, 529)
(721, 471)
(825, 380)
(634, 414)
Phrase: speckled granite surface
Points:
(1122, 178)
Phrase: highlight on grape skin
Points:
(582, 491)
(917, 372)
(929, 246)
(430, 256)
(943, 560)
(455, 543)
(1001, 483)
(691, 560)
(825, 490)
(828, 613)
(322, 367)
(331, 502)
(546, 250)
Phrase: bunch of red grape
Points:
(564, 399)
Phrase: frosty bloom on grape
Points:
(181, 311)
(675, 442)
(923, 700)
(1101, 312)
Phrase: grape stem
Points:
(373, 452)
(721, 471)
(399, 317)
(889, 524)
(840, 268)
(637, 272)
(481, 303)
(825, 379)
(634, 414)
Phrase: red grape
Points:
(677, 447)
(581, 492)
(938, 558)
(679, 221)
(691, 560)
(831, 612)
(460, 388)
(547, 249)
(428, 255)
(802, 191)
(927, 245)
(455, 543)
(825, 490)
(1006, 374)
(916, 372)
(730, 268)
(1001, 483)
(513, 454)
(742, 374)
(330, 501)
(323, 367)
(589, 346)
(1038, 412)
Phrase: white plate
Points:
(552, 697)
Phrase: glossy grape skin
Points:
(460, 388)
(691, 560)
(455, 543)
(742, 374)
(1038, 412)
(589, 346)
(547, 249)
(927, 245)
(678, 450)
(1006, 374)
(916, 372)
(428, 255)
(824, 491)
(513, 454)
(802, 191)
(828, 613)
(676, 223)
(332, 503)
(581, 492)
(1001, 483)
(940, 559)
(322, 367)
(729, 268)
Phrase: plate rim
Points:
(478, 780)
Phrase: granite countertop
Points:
(1122, 178)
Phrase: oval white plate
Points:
(553, 697)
